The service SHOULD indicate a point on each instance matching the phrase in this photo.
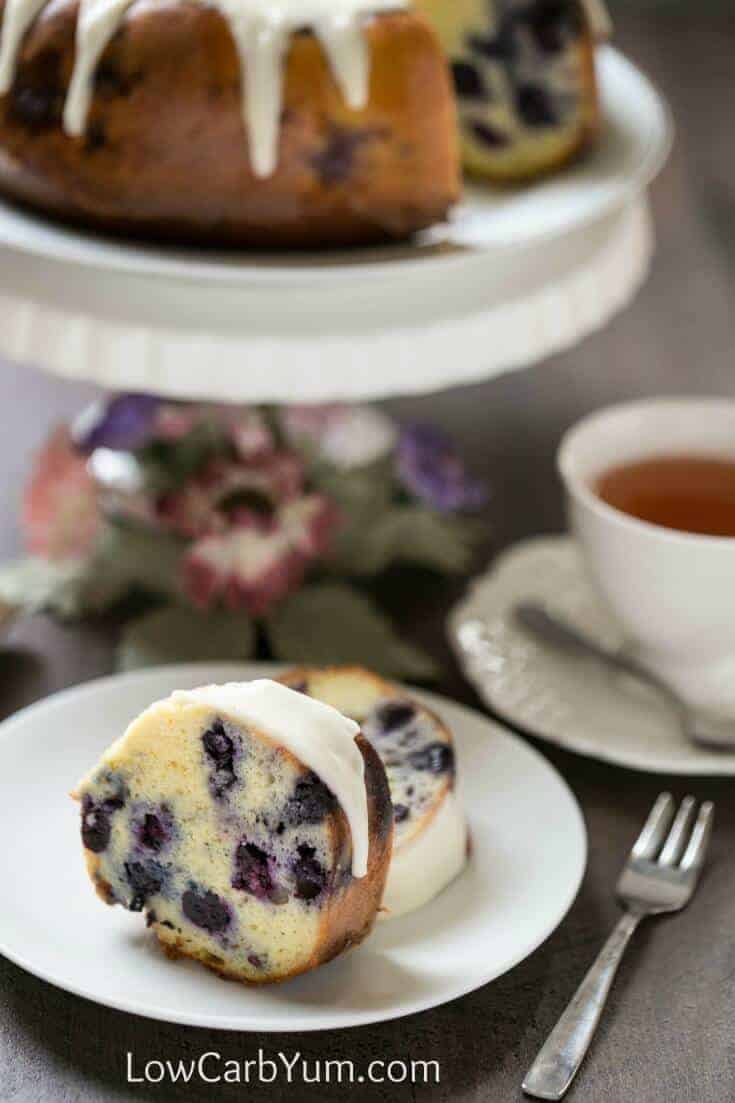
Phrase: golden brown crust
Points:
(165, 154)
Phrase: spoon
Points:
(706, 729)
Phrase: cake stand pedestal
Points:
(317, 340)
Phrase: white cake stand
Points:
(514, 277)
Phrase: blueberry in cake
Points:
(417, 750)
(524, 74)
(302, 123)
(251, 824)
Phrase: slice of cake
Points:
(297, 124)
(524, 74)
(430, 842)
(250, 823)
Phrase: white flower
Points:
(346, 436)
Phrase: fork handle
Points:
(559, 1060)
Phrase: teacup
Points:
(673, 592)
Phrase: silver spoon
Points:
(714, 732)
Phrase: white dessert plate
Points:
(635, 142)
(577, 704)
(528, 858)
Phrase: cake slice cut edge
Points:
(239, 854)
(431, 840)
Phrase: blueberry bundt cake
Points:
(524, 73)
(301, 123)
(250, 823)
(430, 840)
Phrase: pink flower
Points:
(206, 502)
(175, 420)
(308, 423)
(247, 431)
(60, 508)
(259, 560)
(245, 428)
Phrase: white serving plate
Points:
(528, 857)
(576, 704)
(636, 139)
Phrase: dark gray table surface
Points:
(668, 1036)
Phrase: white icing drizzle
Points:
(17, 18)
(428, 862)
(261, 30)
(319, 736)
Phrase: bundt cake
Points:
(250, 823)
(430, 841)
(524, 74)
(302, 123)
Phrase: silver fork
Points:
(660, 876)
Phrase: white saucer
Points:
(528, 858)
(635, 142)
(575, 703)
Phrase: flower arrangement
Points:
(241, 526)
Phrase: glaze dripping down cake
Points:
(251, 824)
(524, 74)
(233, 122)
(430, 844)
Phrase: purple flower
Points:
(430, 467)
(123, 423)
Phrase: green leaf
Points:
(179, 634)
(330, 623)
(134, 556)
(38, 585)
(406, 534)
(359, 493)
(167, 465)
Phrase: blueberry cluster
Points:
(255, 873)
(398, 732)
(220, 750)
(97, 821)
(546, 28)
(152, 831)
(311, 802)
(206, 910)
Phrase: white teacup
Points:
(672, 592)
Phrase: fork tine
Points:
(654, 832)
(696, 852)
(679, 833)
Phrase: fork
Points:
(659, 877)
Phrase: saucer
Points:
(575, 703)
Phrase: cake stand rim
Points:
(386, 361)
